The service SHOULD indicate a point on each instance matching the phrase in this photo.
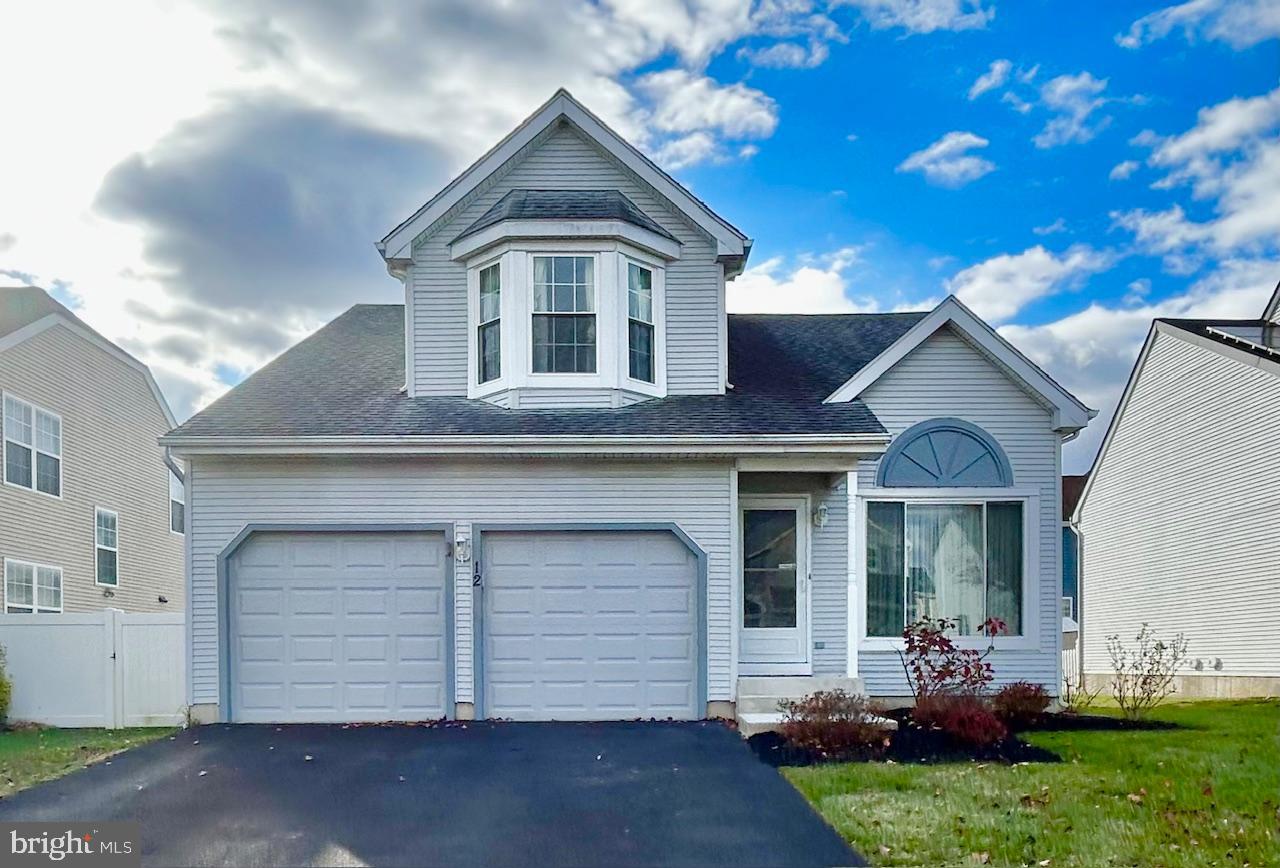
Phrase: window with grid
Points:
(564, 320)
(32, 447)
(640, 322)
(960, 561)
(489, 331)
(31, 588)
(107, 544)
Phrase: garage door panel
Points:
(339, 627)
(582, 625)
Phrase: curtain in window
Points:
(884, 569)
(1004, 564)
(944, 559)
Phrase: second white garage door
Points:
(599, 625)
(338, 627)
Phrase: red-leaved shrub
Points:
(935, 664)
(963, 716)
(833, 723)
(1020, 704)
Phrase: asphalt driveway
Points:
(480, 794)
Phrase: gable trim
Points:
(1272, 311)
(1069, 414)
(730, 242)
(43, 324)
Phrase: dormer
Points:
(565, 290)
(565, 269)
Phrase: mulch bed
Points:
(1093, 722)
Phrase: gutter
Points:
(529, 444)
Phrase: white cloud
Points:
(1230, 158)
(995, 76)
(1073, 99)
(1059, 225)
(1020, 105)
(817, 286)
(999, 287)
(924, 16)
(1239, 23)
(786, 55)
(1122, 170)
(947, 162)
(1090, 352)
(686, 102)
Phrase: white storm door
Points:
(774, 625)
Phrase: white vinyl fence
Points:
(102, 669)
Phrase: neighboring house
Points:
(1072, 487)
(561, 483)
(1178, 521)
(90, 513)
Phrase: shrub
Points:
(1020, 704)
(934, 665)
(6, 688)
(833, 723)
(1142, 676)
(963, 716)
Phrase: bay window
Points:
(564, 321)
(947, 559)
(639, 322)
(489, 331)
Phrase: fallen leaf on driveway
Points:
(203, 773)
(307, 758)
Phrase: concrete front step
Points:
(758, 696)
(750, 724)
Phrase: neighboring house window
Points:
(956, 560)
(489, 332)
(107, 545)
(564, 321)
(31, 588)
(640, 322)
(32, 447)
(177, 505)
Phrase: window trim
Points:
(99, 547)
(5, 440)
(36, 609)
(1031, 597)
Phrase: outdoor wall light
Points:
(820, 516)
(462, 551)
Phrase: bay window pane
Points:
(640, 340)
(490, 294)
(885, 569)
(490, 351)
(1004, 564)
(946, 564)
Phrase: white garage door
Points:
(338, 627)
(589, 626)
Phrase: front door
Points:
(774, 637)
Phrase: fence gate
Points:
(100, 669)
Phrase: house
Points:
(560, 482)
(1178, 519)
(90, 511)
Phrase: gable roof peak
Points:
(732, 246)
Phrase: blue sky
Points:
(1068, 169)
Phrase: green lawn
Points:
(29, 756)
(1205, 795)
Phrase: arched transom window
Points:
(945, 453)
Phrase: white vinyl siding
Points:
(110, 423)
(1181, 525)
(947, 376)
(31, 588)
(227, 494)
(564, 159)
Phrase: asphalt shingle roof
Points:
(22, 305)
(346, 379)
(565, 205)
(1203, 328)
